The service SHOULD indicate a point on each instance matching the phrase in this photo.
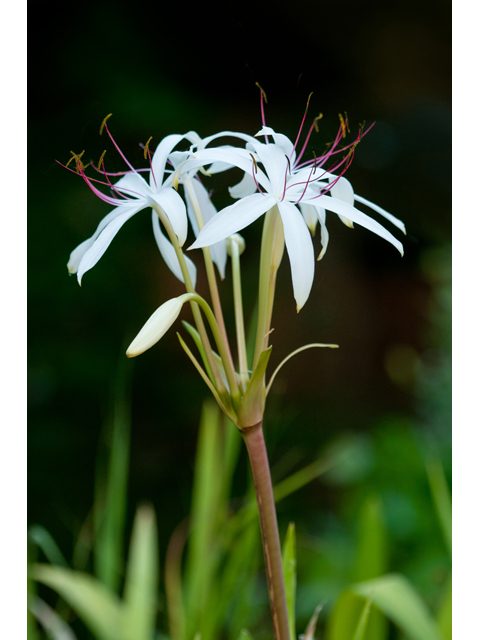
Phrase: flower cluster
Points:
(291, 192)
(275, 175)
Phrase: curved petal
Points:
(233, 218)
(133, 185)
(342, 208)
(398, 223)
(101, 244)
(323, 231)
(309, 213)
(343, 190)
(276, 165)
(159, 158)
(78, 253)
(169, 255)
(244, 188)
(281, 140)
(300, 251)
(174, 208)
(208, 210)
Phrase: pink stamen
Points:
(118, 148)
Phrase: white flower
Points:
(156, 326)
(132, 193)
(285, 183)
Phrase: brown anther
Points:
(101, 160)
(76, 157)
(319, 117)
(254, 163)
(263, 92)
(308, 101)
(343, 126)
(103, 122)
(145, 148)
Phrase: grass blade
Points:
(99, 608)
(289, 562)
(141, 582)
(442, 499)
(362, 623)
(42, 538)
(397, 599)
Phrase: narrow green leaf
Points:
(141, 582)
(362, 623)
(202, 552)
(371, 558)
(42, 538)
(442, 499)
(289, 562)
(444, 613)
(112, 483)
(198, 343)
(53, 624)
(397, 599)
(98, 607)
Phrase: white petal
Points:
(101, 244)
(160, 156)
(169, 255)
(133, 185)
(233, 218)
(398, 223)
(342, 208)
(300, 251)
(310, 215)
(175, 210)
(78, 253)
(244, 188)
(343, 190)
(323, 231)
(282, 141)
(275, 162)
(218, 250)
(156, 327)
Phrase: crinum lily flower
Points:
(131, 194)
(284, 182)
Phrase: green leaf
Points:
(245, 635)
(289, 562)
(444, 613)
(362, 623)
(111, 487)
(397, 599)
(205, 512)
(141, 582)
(371, 559)
(42, 538)
(442, 499)
(198, 342)
(99, 608)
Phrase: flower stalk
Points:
(262, 481)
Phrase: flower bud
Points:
(156, 326)
(238, 240)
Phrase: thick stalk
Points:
(262, 480)
(209, 268)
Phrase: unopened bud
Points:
(237, 239)
(156, 326)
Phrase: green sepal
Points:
(252, 404)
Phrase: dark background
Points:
(169, 68)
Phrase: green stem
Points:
(262, 481)
(271, 253)
(239, 324)
(210, 270)
(222, 390)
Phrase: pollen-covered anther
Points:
(319, 117)
(262, 91)
(100, 162)
(77, 158)
(103, 122)
(145, 148)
